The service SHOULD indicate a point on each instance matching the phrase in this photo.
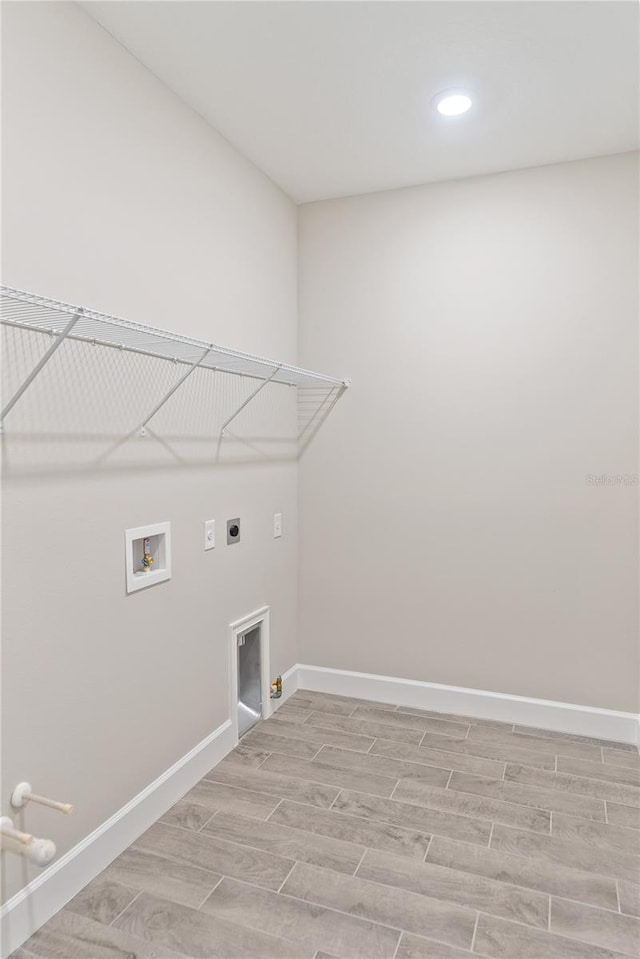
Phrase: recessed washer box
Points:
(154, 541)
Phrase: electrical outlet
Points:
(277, 525)
(210, 534)
(233, 531)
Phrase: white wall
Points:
(117, 197)
(447, 531)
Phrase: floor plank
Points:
(383, 766)
(415, 947)
(291, 843)
(573, 786)
(284, 787)
(209, 852)
(310, 924)
(621, 815)
(532, 873)
(567, 852)
(404, 814)
(445, 921)
(596, 926)
(476, 806)
(442, 758)
(513, 750)
(364, 832)
(145, 871)
(167, 925)
(602, 835)
(368, 727)
(452, 885)
(497, 939)
(320, 772)
(529, 787)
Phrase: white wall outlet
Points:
(210, 534)
(277, 525)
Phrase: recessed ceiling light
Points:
(452, 103)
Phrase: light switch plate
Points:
(210, 534)
(277, 525)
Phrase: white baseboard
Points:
(540, 713)
(25, 912)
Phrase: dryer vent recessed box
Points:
(147, 555)
(233, 531)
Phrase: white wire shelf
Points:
(32, 312)
(63, 321)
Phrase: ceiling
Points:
(334, 98)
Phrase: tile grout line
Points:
(395, 951)
(426, 852)
(139, 893)
(175, 825)
(493, 822)
(211, 891)
(212, 816)
(355, 871)
(295, 863)
(273, 811)
(618, 896)
(475, 929)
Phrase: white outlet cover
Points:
(210, 534)
(277, 525)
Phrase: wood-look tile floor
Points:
(356, 830)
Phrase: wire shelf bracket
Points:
(29, 311)
(253, 395)
(40, 365)
(142, 429)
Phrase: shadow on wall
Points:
(85, 409)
